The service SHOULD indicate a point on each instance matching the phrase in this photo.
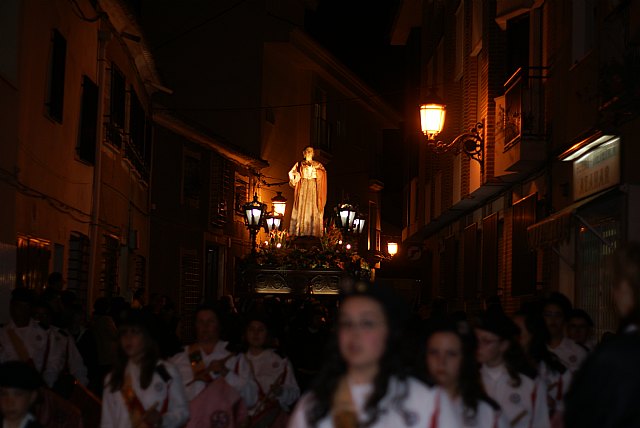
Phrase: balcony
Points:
(520, 132)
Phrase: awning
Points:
(557, 227)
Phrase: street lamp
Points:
(392, 248)
(279, 204)
(432, 116)
(346, 213)
(273, 222)
(253, 214)
(358, 224)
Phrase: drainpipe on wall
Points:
(103, 37)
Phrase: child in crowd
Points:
(19, 384)
(142, 390)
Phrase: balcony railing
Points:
(520, 120)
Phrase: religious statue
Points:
(309, 179)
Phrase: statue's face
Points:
(308, 153)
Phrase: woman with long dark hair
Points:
(605, 390)
(450, 363)
(363, 382)
(142, 390)
(507, 376)
(534, 336)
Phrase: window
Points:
(78, 266)
(109, 271)
(32, 262)
(470, 254)
(191, 182)
(517, 44)
(583, 25)
(241, 193)
(476, 28)
(459, 41)
(490, 254)
(523, 260)
(139, 274)
(135, 149)
(117, 107)
(321, 137)
(55, 88)
(86, 145)
(220, 190)
(190, 291)
(448, 268)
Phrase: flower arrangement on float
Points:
(278, 252)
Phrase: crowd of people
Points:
(362, 360)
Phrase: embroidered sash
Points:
(267, 410)
(344, 412)
(134, 406)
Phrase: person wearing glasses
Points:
(364, 381)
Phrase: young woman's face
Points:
(444, 358)
(362, 332)
(15, 403)
(133, 342)
(490, 348)
(256, 334)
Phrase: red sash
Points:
(436, 412)
(269, 413)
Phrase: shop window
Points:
(190, 291)
(109, 269)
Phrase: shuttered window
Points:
(190, 291)
(78, 266)
(470, 254)
(490, 255)
(448, 274)
(86, 146)
(55, 92)
(523, 260)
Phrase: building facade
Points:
(556, 191)
(76, 86)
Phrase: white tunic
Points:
(556, 384)
(485, 415)
(239, 375)
(36, 340)
(114, 410)
(570, 353)
(267, 369)
(64, 349)
(524, 406)
(416, 409)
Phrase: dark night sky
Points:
(357, 32)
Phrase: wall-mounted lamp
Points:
(432, 116)
(392, 248)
